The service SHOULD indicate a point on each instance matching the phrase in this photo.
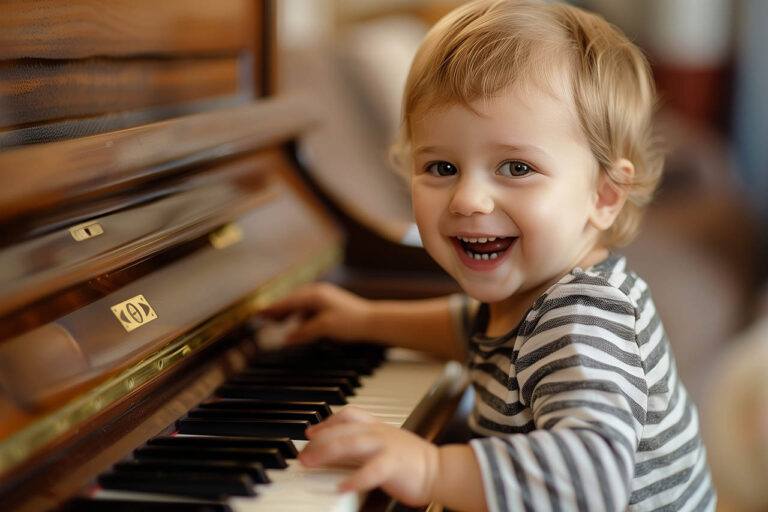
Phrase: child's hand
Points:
(327, 312)
(401, 463)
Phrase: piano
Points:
(151, 204)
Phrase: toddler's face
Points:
(503, 197)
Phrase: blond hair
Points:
(485, 46)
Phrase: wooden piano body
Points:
(150, 206)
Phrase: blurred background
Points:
(703, 245)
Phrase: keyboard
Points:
(236, 450)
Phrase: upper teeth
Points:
(476, 240)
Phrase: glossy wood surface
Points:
(33, 92)
(279, 228)
(47, 267)
(50, 29)
(78, 170)
(69, 69)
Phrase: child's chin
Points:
(484, 294)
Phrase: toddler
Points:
(527, 141)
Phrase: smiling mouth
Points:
(485, 248)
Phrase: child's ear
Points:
(610, 194)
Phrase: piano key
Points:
(373, 354)
(115, 505)
(266, 414)
(396, 389)
(252, 469)
(283, 444)
(349, 375)
(321, 408)
(359, 366)
(239, 427)
(181, 483)
(300, 489)
(269, 457)
(295, 380)
(331, 395)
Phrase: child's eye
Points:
(442, 169)
(515, 169)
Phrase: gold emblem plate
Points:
(86, 230)
(134, 312)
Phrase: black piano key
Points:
(254, 414)
(371, 355)
(271, 458)
(348, 375)
(321, 408)
(216, 487)
(294, 380)
(359, 366)
(254, 470)
(331, 395)
(112, 505)
(237, 427)
(283, 444)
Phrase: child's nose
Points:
(471, 197)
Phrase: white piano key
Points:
(301, 489)
(109, 494)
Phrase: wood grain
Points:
(75, 170)
(44, 91)
(56, 270)
(51, 29)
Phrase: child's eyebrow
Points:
(520, 148)
(427, 149)
(495, 146)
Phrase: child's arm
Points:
(405, 466)
(459, 483)
(332, 312)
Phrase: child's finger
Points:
(346, 443)
(374, 473)
(309, 330)
(274, 334)
(351, 413)
(305, 298)
(348, 414)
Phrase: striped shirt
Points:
(581, 407)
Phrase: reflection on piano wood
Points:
(136, 246)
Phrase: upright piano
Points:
(151, 204)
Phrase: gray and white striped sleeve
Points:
(580, 372)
